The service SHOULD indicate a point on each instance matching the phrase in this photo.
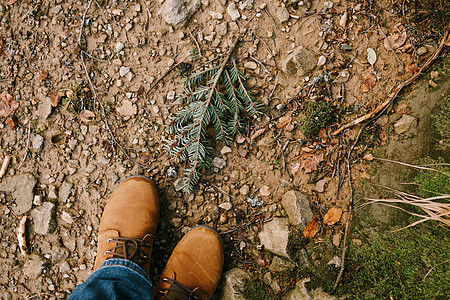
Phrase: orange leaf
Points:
(10, 121)
(312, 228)
(369, 82)
(54, 98)
(312, 162)
(411, 68)
(332, 216)
(396, 39)
(283, 122)
(8, 105)
(86, 115)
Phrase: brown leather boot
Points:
(194, 268)
(129, 222)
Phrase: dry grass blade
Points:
(435, 208)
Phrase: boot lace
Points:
(129, 248)
(177, 291)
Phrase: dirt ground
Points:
(78, 149)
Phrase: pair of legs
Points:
(125, 242)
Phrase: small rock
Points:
(178, 184)
(36, 142)
(66, 217)
(320, 185)
(64, 267)
(43, 218)
(176, 222)
(21, 189)
(281, 265)
(422, 50)
(244, 190)
(301, 62)
(222, 29)
(216, 15)
(357, 242)
(250, 65)
(119, 46)
(335, 261)
(124, 71)
(404, 124)
(64, 191)
(282, 14)
(52, 192)
(32, 268)
(264, 191)
(226, 205)
(232, 285)
(247, 4)
(44, 108)
(322, 60)
(297, 207)
(233, 12)
(170, 95)
(178, 12)
(328, 4)
(267, 279)
(234, 26)
(58, 9)
(127, 109)
(274, 236)
(225, 150)
(37, 200)
(128, 26)
(299, 292)
(240, 139)
(219, 162)
(336, 239)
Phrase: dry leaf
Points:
(86, 115)
(7, 105)
(368, 156)
(322, 133)
(396, 39)
(320, 185)
(11, 2)
(10, 121)
(257, 133)
(411, 68)
(127, 109)
(2, 46)
(369, 82)
(283, 122)
(311, 163)
(43, 75)
(312, 228)
(371, 56)
(332, 216)
(308, 149)
(54, 98)
(145, 158)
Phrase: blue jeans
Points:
(115, 279)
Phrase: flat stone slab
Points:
(21, 189)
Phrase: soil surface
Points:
(80, 73)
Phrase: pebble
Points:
(328, 4)
(234, 26)
(222, 29)
(244, 190)
(119, 46)
(422, 50)
(233, 12)
(36, 142)
(124, 71)
(250, 65)
(219, 162)
(128, 27)
(66, 217)
(171, 95)
(240, 139)
(322, 60)
(264, 191)
(226, 205)
(216, 15)
(225, 150)
(282, 14)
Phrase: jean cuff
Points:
(126, 263)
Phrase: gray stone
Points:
(233, 12)
(300, 62)
(32, 268)
(36, 142)
(244, 190)
(225, 150)
(119, 46)
(64, 267)
(299, 292)
(275, 235)
(282, 14)
(216, 15)
(66, 217)
(222, 29)
(232, 285)
(247, 4)
(250, 65)
(281, 265)
(59, 254)
(43, 218)
(335, 261)
(404, 124)
(21, 188)
(219, 162)
(422, 50)
(124, 71)
(178, 184)
(178, 12)
(297, 207)
(44, 108)
(267, 279)
(65, 190)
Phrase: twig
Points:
(164, 75)
(21, 236)
(83, 20)
(273, 90)
(408, 165)
(223, 191)
(27, 147)
(262, 65)
(5, 165)
(273, 20)
(196, 42)
(390, 46)
(423, 280)
(391, 97)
